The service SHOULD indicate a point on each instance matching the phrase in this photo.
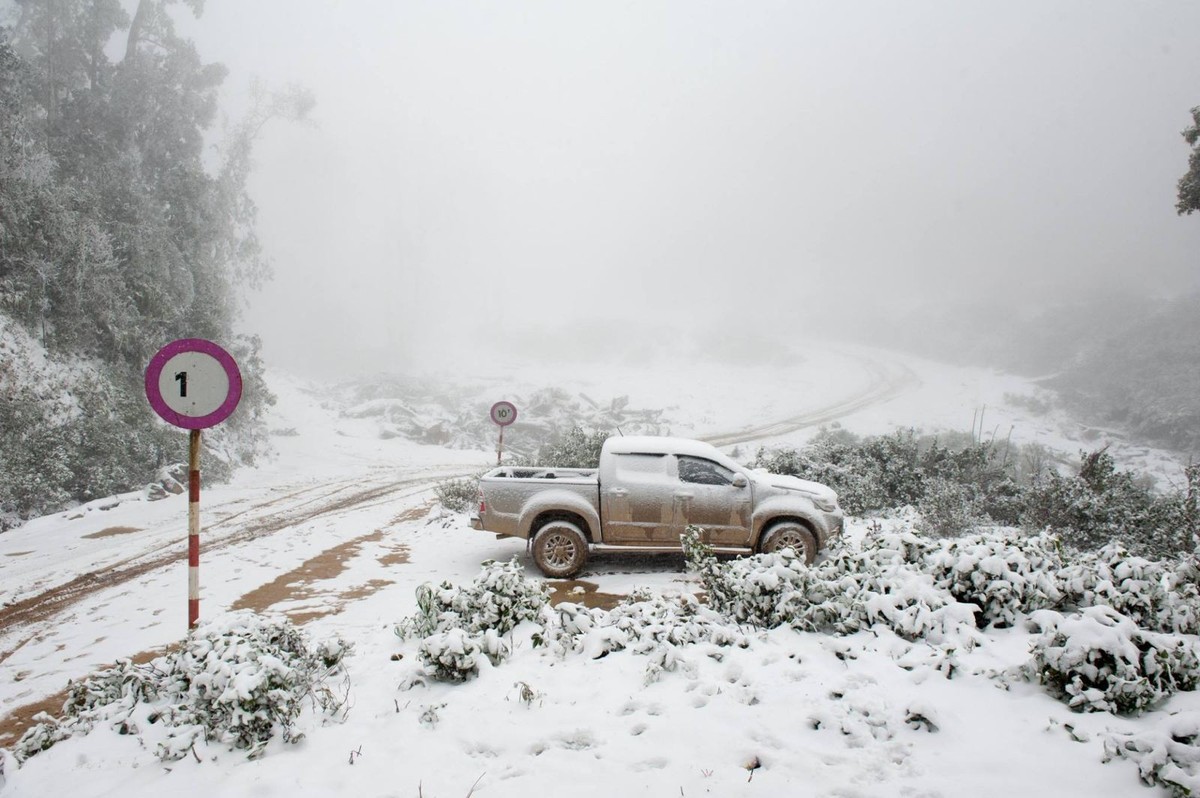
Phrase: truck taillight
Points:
(482, 506)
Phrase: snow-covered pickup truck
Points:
(645, 493)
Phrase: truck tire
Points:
(790, 535)
(560, 549)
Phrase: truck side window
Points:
(703, 472)
(641, 467)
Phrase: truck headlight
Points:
(824, 504)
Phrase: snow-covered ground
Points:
(339, 529)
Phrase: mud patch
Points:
(18, 553)
(412, 514)
(397, 556)
(579, 591)
(112, 531)
(300, 585)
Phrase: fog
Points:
(591, 177)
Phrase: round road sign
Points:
(504, 413)
(193, 383)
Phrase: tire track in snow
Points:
(885, 384)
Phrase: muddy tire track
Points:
(41, 607)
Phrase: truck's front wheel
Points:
(790, 535)
(560, 549)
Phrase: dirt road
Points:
(886, 382)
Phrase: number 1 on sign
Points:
(181, 378)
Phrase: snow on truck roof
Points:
(649, 444)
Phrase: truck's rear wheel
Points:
(790, 535)
(560, 549)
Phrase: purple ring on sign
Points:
(154, 371)
(497, 410)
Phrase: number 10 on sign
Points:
(503, 414)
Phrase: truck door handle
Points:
(618, 492)
(685, 495)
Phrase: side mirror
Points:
(740, 481)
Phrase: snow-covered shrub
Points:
(1168, 755)
(643, 623)
(851, 589)
(1102, 504)
(578, 448)
(1100, 661)
(457, 495)
(457, 624)
(948, 508)
(1157, 595)
(243, 677)
(240, 679)
(1002, 574)
(749, 589)
(879, 583)
(453, 655)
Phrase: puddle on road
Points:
(112, 531)
(579, 591)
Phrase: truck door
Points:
(713, 502)
(638, 502)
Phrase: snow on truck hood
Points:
(802, 485)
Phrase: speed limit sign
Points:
(504, 413)
(193, 383)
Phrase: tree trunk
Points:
(144, 9)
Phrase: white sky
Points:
(521, 168)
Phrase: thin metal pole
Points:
(193, 528)
(500, 447)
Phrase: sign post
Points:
(503, 414)
(193, 384)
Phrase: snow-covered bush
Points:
(949, 508)
(578, 448)
(1003, 574)
(457, 624)
(851, 589)
(881, 582)
(1168, 755)
(1157, 595)
(642, 623)
(1100, 661)
(457, 495)
(239, 679)
(1101, 504)
(453, 655)
(748, 590)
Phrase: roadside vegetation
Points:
(118, 234)
(958, 483)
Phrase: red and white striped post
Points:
(194, 384)
(193, 528)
